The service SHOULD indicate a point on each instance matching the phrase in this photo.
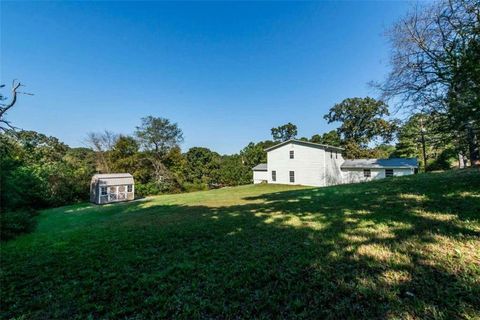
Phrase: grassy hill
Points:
(398, 248)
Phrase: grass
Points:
(398, 248)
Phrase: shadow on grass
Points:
(359, 251)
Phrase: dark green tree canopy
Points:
(283, 133)
(158, 134)
(362, 120)
(331, 138)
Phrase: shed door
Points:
(122, 193)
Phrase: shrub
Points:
(14, 223)
(190, 187)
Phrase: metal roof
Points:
(260, 167)
(381, 163)
(305, 143)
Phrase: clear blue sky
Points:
(225, 72)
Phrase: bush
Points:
(146, 189)
(190, 187)
(14, 223)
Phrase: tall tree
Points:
(435, 65)
(363, 121)
(283, 133)
(158, 134)
(102, 143)
(124, 155)
(202, 166)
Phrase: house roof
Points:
(260, 167)
(305, 143)
(380, 163)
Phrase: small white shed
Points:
(260, 173)
(112, 187)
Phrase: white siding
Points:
(333, 173)
(356, 175)
(308, 165)
(260, 176)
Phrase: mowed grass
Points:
(398, 248)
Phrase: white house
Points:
(313, 164)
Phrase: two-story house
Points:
(313, 164)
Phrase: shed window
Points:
(367, 173)
(388, 172)
(274, 175)
(292, 155)
(292, 176)
(103, 191)
(129, 188)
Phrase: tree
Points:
(202, 166)
(331, 138)
(4, 107)
(421, 137)
(283, 133)
(102, 143)
(233, 172)
(124, 155)
(158, 134)
(435, 66)
(362, 122)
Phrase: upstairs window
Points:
(274, 175)
(388, 172)
(292, 176)
(367, 173)
(292, 154)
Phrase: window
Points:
(129, 188)
(336, 155)
(388, 172)
(331, 155)
(103, 191)
(292, 155)
(292, 176)
(367, 173)
(274, 175)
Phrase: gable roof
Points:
(260, 167)
(380, 163)
(305, 143)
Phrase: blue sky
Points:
(225, 72)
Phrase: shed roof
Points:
(113, 179)
(260, 167)
(112, 175)
(380, 163)
(305, 143)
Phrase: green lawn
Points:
(397, 248)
